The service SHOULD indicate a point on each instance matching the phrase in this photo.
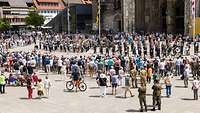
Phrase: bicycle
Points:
(78, 84)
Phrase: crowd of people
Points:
(137, 60)
(151, 45)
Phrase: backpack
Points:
(114, 79)
(75, 69)
(80, 62)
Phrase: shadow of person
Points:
(189, 99)
(95, 96)
(93, 87)
(180, 87)
(132, 110)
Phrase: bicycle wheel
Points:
(82, 86)
(69, 85)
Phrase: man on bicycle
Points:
(75, 74)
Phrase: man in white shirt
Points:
(162, 68)
(186, 75)
(195, 87)
(47, 85)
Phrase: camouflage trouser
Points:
(143, 101)
(186, 81)
(134, 82)
(143, 80)
(156, 101)
(194, 72)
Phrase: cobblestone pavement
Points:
(62, 101)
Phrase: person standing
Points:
(47, 85)
(40, 88)
(186, 75)
(168, 85)
(156, 76)
(29, 69)
(142, 97)
(143, 75)
(2, 83)
(102, 84)
(128, 86)
(60, 64)
(29, 87)
(149, 74)
(162, 68)
(133, 74)
(114, 83)
(195, 87)
(156, 95)
(178, 63)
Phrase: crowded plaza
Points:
(99, 56)
(119, 65)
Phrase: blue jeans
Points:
(178, 70)
(168, 90)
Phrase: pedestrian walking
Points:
(195, 88)
(142, 97)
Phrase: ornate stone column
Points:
(94, 14)
(187, 17)
(128, 15)
(170, 19)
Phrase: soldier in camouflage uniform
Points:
(195, 66)
(198, 70)
(142, 97)
(143, 76)
(133, 74)
(156, 95)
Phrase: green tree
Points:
(4, 24)
(34, 19)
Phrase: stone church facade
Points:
(169, 16)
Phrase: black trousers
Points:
(2, 88)
(59, 69)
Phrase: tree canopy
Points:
(34, 19)
(4, 24)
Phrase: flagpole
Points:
(99, 18)
(194, 19)
(68, 21)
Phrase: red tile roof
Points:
(60, 7)
(87, 1)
